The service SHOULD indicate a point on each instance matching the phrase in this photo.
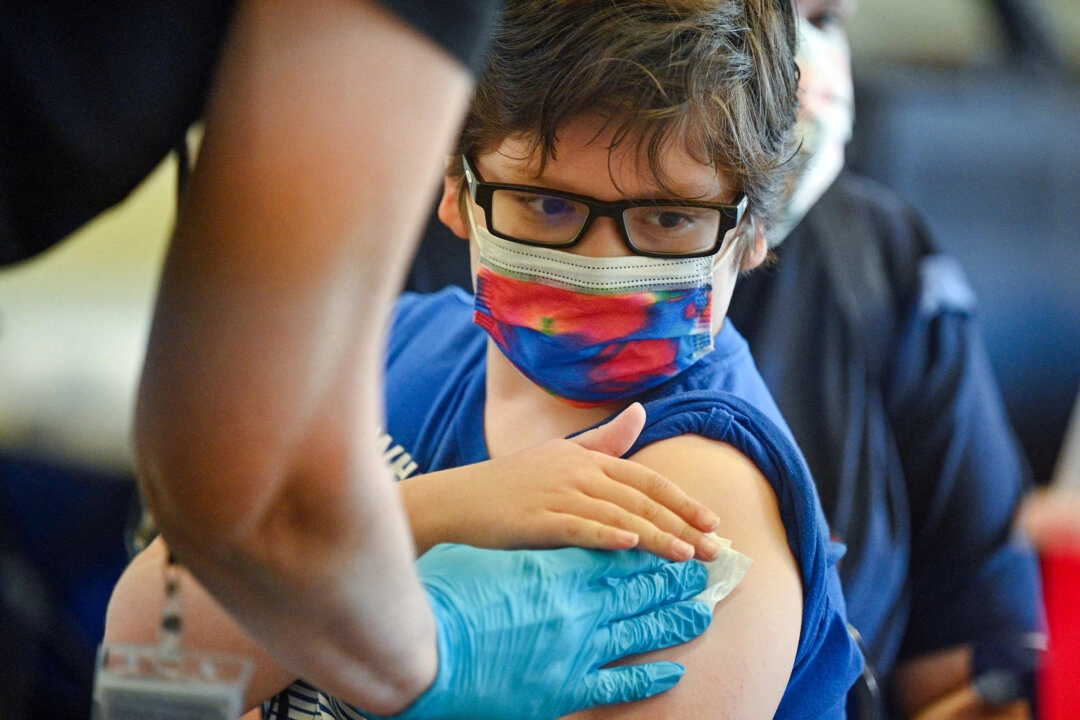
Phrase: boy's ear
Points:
(756, 253)
(450, 208)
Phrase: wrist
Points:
(428, 509)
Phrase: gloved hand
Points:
(525, 633)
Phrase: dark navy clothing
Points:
(874, 356)
(435, 386)
(94, 95)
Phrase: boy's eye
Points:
(548, 205)
(660, 219)
(669, 219)
(544, 205)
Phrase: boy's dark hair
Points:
(718, 76)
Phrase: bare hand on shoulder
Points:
(563, 492)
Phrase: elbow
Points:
(198, 488)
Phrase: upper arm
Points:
(261, 395)
(740, 667)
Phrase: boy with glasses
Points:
(614, 176)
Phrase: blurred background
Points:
(969, 108)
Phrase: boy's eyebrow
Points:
(721, 198)
(722, 194)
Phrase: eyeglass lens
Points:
(554, 220)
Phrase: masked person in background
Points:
(867, 336)
(613, 178)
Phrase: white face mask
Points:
(826, 117)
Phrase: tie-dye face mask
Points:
(593, 330)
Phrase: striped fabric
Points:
(302, 701)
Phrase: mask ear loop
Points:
(475, 236)
(733, 239)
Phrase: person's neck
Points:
(519, 414)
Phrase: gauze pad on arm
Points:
(725, 572)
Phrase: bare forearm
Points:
(940, 687)
(261, 395)
(321, 573)
(354, 618)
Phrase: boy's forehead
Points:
(584, 161)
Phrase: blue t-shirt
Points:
(435, 386)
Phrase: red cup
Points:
(1059, 676)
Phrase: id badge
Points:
(135, 682)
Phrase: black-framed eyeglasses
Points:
(653, 228)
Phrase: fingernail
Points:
(708, 520)
(683, 550)
(709, 547)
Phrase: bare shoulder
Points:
(740, 667)
(723, 478)
(134, 617)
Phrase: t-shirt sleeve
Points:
(461, 27)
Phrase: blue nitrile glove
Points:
(525, 633)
